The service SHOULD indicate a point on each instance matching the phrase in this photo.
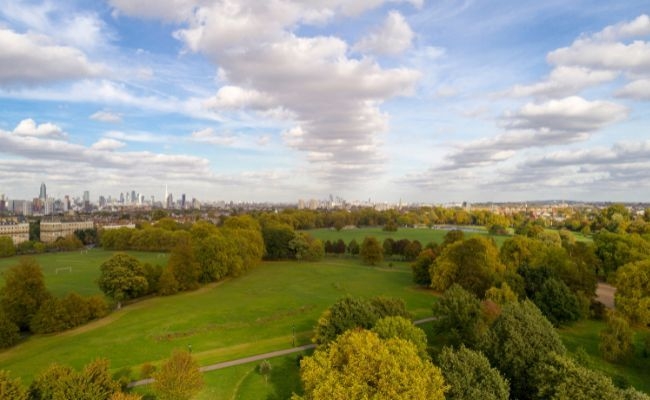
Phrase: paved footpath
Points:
(257, 357)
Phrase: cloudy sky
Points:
(423, 100)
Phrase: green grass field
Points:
(236, 318)
(83, 272)
(423, 235)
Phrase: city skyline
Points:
(252, 101)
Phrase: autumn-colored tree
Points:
(360, 365)
(122, 277)
(24, 292)
(184, 266)
(11, 388)
(400, 327)
(616, 339)
(179, 378)
(371, 251)
(633, 291)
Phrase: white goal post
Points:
(69, 269)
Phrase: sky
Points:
(279, 100)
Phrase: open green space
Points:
(424, 235)
(77, 271)
(585, 335)
(239, 317)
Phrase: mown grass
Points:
(83, 272)
(249, 315)
(585, 335)
(423, 235)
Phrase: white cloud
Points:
(106, 116)
(28, 127)
(638, 27)
(604, 55)
(208, 135)
(638, 90)
(564, 81)
(107, 144)
(168, 10)
(29, 59)
(392, 38)
(233, 97)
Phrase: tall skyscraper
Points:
(86, 201)
(43, 194)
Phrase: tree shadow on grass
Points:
(285, 378)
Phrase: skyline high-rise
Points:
(43, 193)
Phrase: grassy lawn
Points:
(83, 272)
(236, 318)
(423, 235)
(585, 334)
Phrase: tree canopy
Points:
(122, 277)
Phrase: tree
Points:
(518, 251)
(9, 332)
(473, 264)
(122, 277)
(633, 291)
(11, 388)
(7, 248)
(400, 327)
(24, 292)
(167, 285)
(502, 295)
(372, 253)
(420, 267)
(277, 237)
(179, 378)
(453, 236)
(556, 301)
(353, 247)
(519, 340)
(59, 382)
(616, 339)
(470, 376)
(458, 315)
(184, 266)
(412, 250)
(388, 245)
(265, 369)
(209, 252)
(360, 365)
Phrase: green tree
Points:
(184, 266)
(9, 332)
(518, 251)
(458, 315)
(24, 292)
(633, 291)
(59, 382)
(420, 267)
(353, 247)
(453, 236)
(400, 327)
(556, 301)
(265, 369)
(11, 388)
(616, 340)
(277, 237)
(519, 340)
(473, 264)
(502, 295)
(211, 253)
(122, 277)
(470, 376)
(360, 365)
(372, 253)
(7, 248)
(168, 284)
(346, 313)
(179, 378)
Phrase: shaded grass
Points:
(249, 315)
(84, 269)
(585, 335)
(423, 235)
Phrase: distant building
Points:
(50, 231)
(43, 193)
(17, 232)
(113, 227)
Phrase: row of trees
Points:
(27, 306)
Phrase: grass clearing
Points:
(83, 269)
(239, 317)
(424, 235)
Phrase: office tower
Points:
(183, 201)
(43, 193)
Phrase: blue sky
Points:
(425, 101)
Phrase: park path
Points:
(258, 357)
(605, 294)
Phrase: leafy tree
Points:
(184, 267)
(265, 369)
(210, 252)
(361, 365)
(116, 239)
(385, 306)
(60, 382)
(616, 250)
(353, 247)
(556, 301)
(122, 277)
(453, 236)
(9, 332)
(502, 295)
(616, 339)
(179, 378)
(518, 251)
(339, 247)
(277, 237)
(24, 292)
(168, 284)
(371, 251)
(458, 315)
(48, 319)
(11, 388)
(412, 250)
(7, 248)
(390, 226)
(125, 396)
(473, 264)
(421, 265)
(633, 291)
(400, 327)
(315, 251)
(388, 245)
(470, 376)
(519, 340)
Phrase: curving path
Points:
(258, 357)
(605, 294)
